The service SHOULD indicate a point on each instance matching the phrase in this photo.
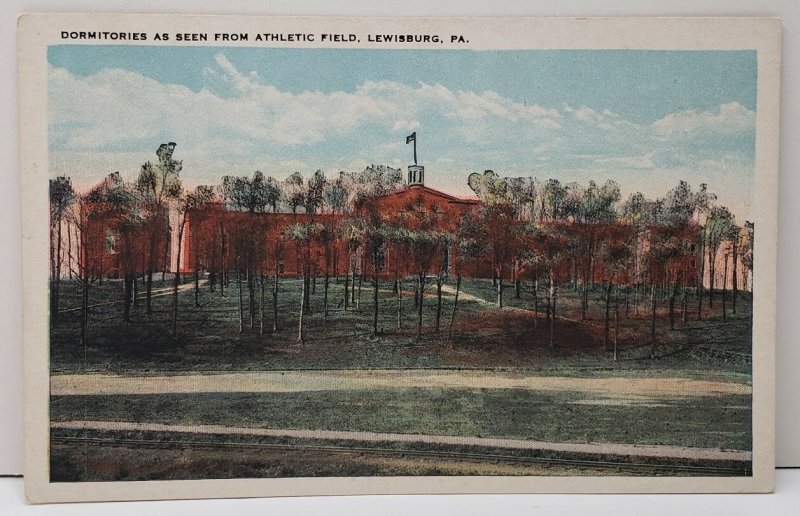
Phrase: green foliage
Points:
(490, 187)
(245, 194)
(295, 194)
(160, 182)
(718, 226)
(62, 195)
(315, 193)
(336, 195)
(304, 233)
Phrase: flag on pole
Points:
(411, 137)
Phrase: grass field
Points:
(167, 456)
(483, 335)
(485, 340)
(504, 413)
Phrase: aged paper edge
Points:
(37, 31)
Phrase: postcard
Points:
(282, 256)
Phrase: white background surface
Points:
(788, 352)
(786, 500)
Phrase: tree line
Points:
(542, 234)
(587, 236)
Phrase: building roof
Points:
(425, 190)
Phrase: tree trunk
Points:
(500, 289)
(346, 290)
(607, 324)
(616, 325)
(653, 320)
(701, 276)
(275, 300)
(325, 296)
(399, 305)
(224, 262)
(548, 301)
(360, 282)
(735, 273)
(166, 254)
(307, 285)
(212, 276)
(69, 253)
(353, 287)
(127, 297)
(374, 302)
(711, 274)
(84, 269)
(56, 278)
(438, 302)
(627, 304)
(300, 336)
(725, 290)
(135, 292)
(85, 311)
(585, 293)
(150, 270)
(672, 297)
(241, 301)
(573, 276)
(336, 266)
(455, 305)
(536, 302)
(685, 303)
(251, 301)
(553, 296)
(261, 306)
(419, 306)
(196, 277)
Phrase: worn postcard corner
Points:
(274, 256)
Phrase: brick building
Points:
(215, 238)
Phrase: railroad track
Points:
(631, 467)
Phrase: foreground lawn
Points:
(167, 456)
(722, 422)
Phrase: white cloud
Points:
(636, 162)
(115, 119)
(732, 118)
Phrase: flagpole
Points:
(415, 148)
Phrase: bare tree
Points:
(62, 196)
(159, 185)
(304, 236)
(196, 200)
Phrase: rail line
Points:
(651, 468)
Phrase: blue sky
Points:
(643, 118)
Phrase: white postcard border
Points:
(37, 31)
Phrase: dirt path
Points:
(301, 381)
(464, 296)
(630, 450)
(469, 297)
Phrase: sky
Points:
(645, 119)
